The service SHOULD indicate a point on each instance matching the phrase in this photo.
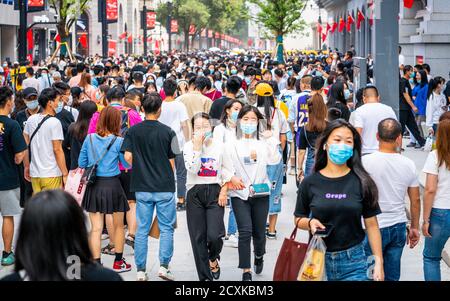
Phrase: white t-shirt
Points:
(43, 160)
(442, 198)
(288, 96)
(31, 82)
(278, 123)
(249, 171)
(224, 134)
(173, 113)
(73, 111)
(209, 166)
(393, 175)
(368, 117)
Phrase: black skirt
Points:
(105, 196)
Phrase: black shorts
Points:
(125, 180)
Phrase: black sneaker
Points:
(181, 206)
(259, 265)
(247, 276)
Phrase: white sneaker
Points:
(165, 274)
(141, 276)
(105, 236)
(232, 241)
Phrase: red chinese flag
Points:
(130, 39)
(334, 27)
(83, 40)
(30, 39)
(408, 3)
(123, 36)
(324, 37)
(328, 27)
(350, 22)
(341, 24)
(360, 19)
(58, 38)
(319, 28)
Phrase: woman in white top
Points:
(436, 208)
(251, 154)
(208, 169)
(275, 125)
(436, 105)
(226, 130)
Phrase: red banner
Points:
(174, 26)
(83, 40)
(210, 33)
(112, 44)
(35, 5)
(217, 35)
(192, 30)
(408, 3)
(112, 11)
(360, 19)
(151, 20)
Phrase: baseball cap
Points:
(30, 91)
(264, 89)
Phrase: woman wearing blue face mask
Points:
(226, 132)
(337, 98)
(208, 169)
(251, 154)
(338, 194)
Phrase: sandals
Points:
(130, 240)
(216, 274)
(108, 250)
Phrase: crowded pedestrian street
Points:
(293, 141)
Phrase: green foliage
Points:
(281, 17)
(68, 11)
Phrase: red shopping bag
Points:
(75, 184)
(290, 259)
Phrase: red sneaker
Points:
(121, 266)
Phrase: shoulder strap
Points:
(39, 126)
(307, 140)
(243, 168)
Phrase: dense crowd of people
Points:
(201, 131)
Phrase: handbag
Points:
(90, 173)
(290, 259)
(75, 184)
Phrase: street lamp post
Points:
(145, 28)
(169, 24)
(104, 30)
(22, 45)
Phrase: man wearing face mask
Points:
(30, 97)
(44, 135)
(45, 81)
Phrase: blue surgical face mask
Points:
(347, 93)
(318, 73)
(200, 74)
(249, 128)
(290, 73)
(234, 72)
(211, 71)
(339, 154)
(208, 135)
(413, 75)
(59, 108)
(234, 116)
(32, 105)
(248, 80)
(411, 81)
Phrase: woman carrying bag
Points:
(208, 169)
(251, 154)
(335, 198)
(104, 194)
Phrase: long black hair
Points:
(268, 103)
(336, 94)
(434, 83)
(423, 79)
(369, 188)
(80, 128)
(52, 228)
(246, 109)
(228, 105)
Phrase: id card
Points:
(249, 161)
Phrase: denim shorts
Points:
(347, 265)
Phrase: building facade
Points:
(9, 24)
(424, 30)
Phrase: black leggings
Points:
(251, 217)
(205, 225)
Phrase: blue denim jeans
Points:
(393, 241)
(432, 253)
(232, 226)
(309, 164)
(275, 175)
(165, 205)
(347, 265)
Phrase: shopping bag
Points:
(154, 229)
(313, 267)
(75, 185)
(428, 147)
(290, 259)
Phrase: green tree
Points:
(281, 17)
(68, 12)
(187, 13)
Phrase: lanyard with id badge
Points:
(255, 190)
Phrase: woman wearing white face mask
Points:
(335, 198)
(208, 170)
(251, 154)
(436, 104)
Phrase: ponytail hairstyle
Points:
(434, 83)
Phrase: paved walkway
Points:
(183, 262)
